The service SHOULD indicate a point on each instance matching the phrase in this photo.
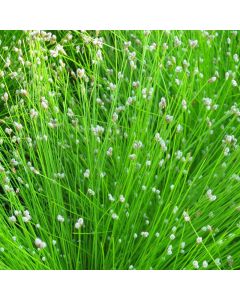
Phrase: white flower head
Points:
(40, 244)
(79, 223)
(60, 218)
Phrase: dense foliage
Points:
(119, 150)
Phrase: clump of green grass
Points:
(119, 150)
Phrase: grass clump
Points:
(119, 150)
